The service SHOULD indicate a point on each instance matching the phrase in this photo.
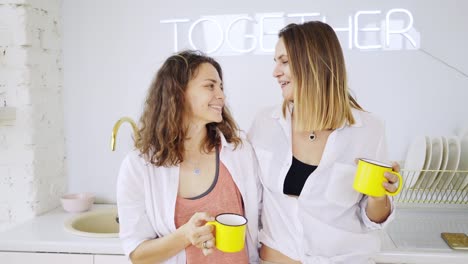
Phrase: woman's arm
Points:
(194, 232)
(160, 249)
(140, 241)
(379, 208)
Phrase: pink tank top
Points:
(223, 198)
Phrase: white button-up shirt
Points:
(327, 223)
(146, 198)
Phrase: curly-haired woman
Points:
(190, 165)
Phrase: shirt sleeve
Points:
(381, 155)
(257, 170)
(135, 226)
(369, 223)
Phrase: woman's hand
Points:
(199, 234)
(392, 178)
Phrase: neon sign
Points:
(237, 34)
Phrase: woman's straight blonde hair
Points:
(321, 96)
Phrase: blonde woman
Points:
(307, 149)
(189, 166)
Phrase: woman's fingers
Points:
(195, 227)
(207, 252)
(390, 187)
(208, 247)
(198, 242)
(200, 218)
(396, 166)
(392, 178)
(201, 234)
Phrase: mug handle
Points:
(213, 223)
(400, 184)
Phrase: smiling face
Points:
(282, 72)
(205, 96)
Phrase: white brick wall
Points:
(32, 159)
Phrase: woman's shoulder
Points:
(134, 155)
(136, 159)
(245, 144)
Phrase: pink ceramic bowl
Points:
(77, 202)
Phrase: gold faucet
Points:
(136, 133)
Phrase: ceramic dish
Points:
(445, 157)
(453, 159)
(463, 165)
(427, 162)
(415, 160)
(453, 162)
(77, 202)
(434, 164)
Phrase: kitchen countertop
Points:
(46, 233)
(413, 237)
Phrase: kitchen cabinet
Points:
(111, 259)
(44, 258)
(60, 258)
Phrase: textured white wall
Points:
(32, 147)
(113, 48)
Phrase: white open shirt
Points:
(146, 198)
(327, 223)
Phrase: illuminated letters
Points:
(229, 35)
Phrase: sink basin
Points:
(99, 223)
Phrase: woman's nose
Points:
(277, 72)
(220, 94)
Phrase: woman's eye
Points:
(285, 62)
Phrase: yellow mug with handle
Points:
(229, 232)
(370, 176)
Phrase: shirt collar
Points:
(224, 143)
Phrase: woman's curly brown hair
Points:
(162, 133)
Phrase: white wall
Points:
(113, 48)
(32, 147)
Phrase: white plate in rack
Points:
(463, 165)
(415, 160)
(452, 163)
(436, 160)
(445, 156)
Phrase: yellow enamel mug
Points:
(370, 177)
(229, 232)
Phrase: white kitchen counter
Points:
(414, 237)
(46, 233)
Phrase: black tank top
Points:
(296, 177)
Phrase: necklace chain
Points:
(196, 167)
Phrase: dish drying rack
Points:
(434, 187)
